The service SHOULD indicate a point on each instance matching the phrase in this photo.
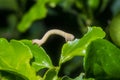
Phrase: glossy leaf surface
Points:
(102, 60)
(78, 46)
(15, 58)
(41, 58)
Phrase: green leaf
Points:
(15, 58)
(102, 60)
(114, 28)
(51, 74)
(93, 4)
(38, 11)
(78, 46)
(42, 60)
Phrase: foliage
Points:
(21, 60)
(113, 28)
(78, 47)
(102, 60)
(39, 11)
(24, 60)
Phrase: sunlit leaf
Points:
(78, 46)
(15, 58)
(41, 58)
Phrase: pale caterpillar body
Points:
(67, 36)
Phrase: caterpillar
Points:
(67, 36)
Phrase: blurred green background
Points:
(30, 19)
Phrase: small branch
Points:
(67, 36)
